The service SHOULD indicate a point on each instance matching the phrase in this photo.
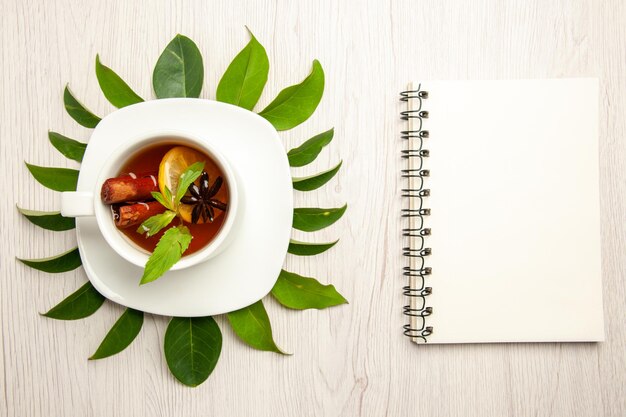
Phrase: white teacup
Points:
(79, 203)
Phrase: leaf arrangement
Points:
(192, 346)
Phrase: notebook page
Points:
(515, 211)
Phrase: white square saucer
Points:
(248, 268)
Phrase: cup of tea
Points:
(123, 197)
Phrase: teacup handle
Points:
(77, 204)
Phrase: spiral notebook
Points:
(501, 215)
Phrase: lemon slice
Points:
(174, 163)
(185, 212)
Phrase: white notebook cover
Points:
(515, 215)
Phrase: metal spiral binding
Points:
(417, 272)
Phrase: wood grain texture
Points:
(350, 360)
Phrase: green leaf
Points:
(313, 219)
(70, 148)
(252, 325)
(308, 151)
(314, 182)
(192, 348)
(167, 252)
(245, 77)
(295, 104)
(114, 88)
(78, 112)
(155, 223)
(308, 249)
(57, 179)
(168, 196)
(78, 305)
(301, 293)
(179, 72)
(161, 199)
(66, 261)
(50, 220)
(188, 176)
(121, 335)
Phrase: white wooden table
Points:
(349, 360)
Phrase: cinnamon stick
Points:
(135, 214)
(128, 188)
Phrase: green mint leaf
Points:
(295, 104)
(245, 77)
(49, 220)
(309, 150)
(121, 335)
(114, 88)
(57, 179)
(252, 325)
(188, 176)
(192, 348)
(314, 182)
(168, 197)
(77, 111)
(82, 303)
(313, 219)
(70, 148)
(161, 199)
(66, 261)
(179, 72)
(167, 252)
(154, 224)
(308, 249)
(301, 293)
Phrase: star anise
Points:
(203, 200)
